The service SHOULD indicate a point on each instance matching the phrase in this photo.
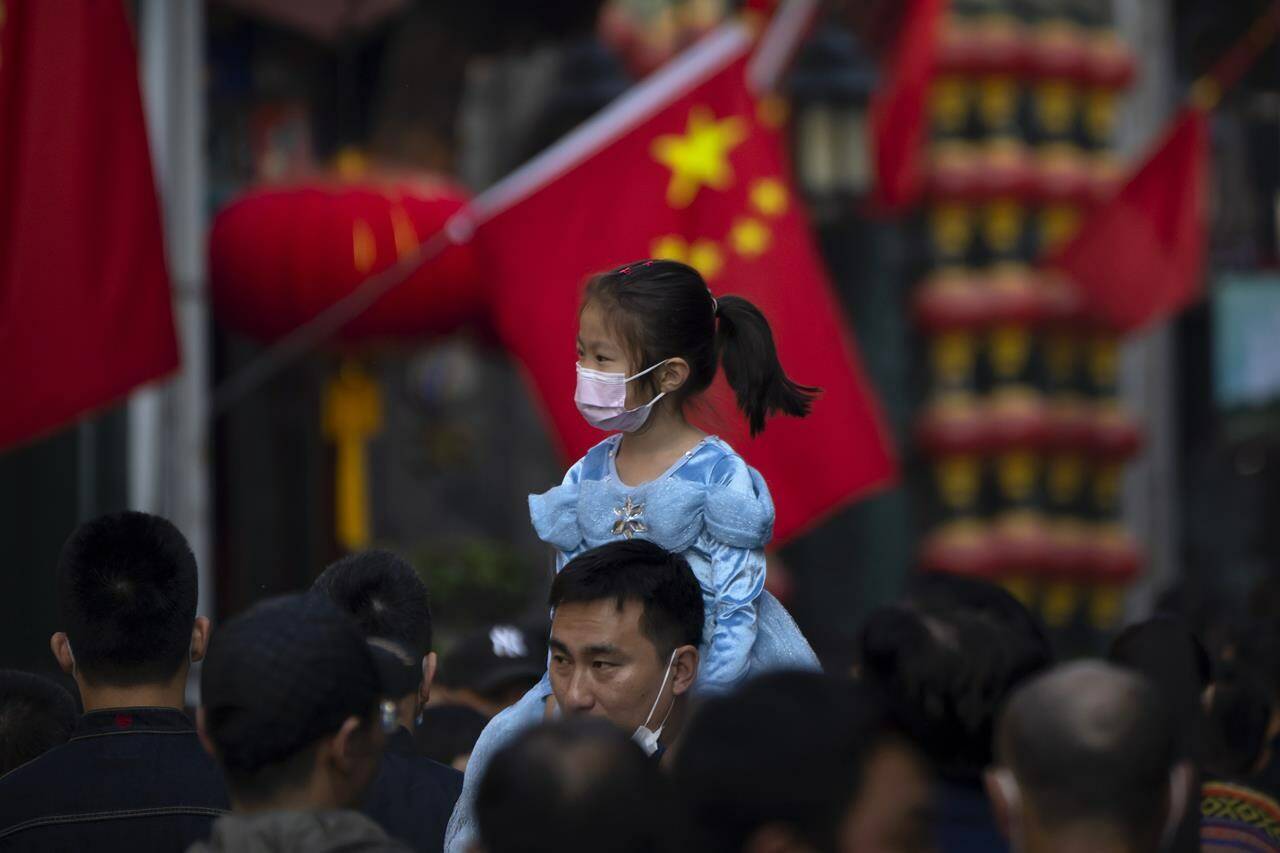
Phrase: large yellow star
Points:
(701, 156)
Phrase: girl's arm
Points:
(739, 580)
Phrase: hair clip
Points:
(625, 271)
(648, 263)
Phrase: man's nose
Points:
(578, 697)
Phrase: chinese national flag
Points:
(689, 165)
(1139, 257)
(899, 110)
(84, 296)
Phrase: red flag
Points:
(687, 166)
(84, 296)
(899, 110)
(1139, 257)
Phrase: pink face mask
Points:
(602, 399)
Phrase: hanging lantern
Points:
(280, 256)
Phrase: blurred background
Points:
(1128, 470)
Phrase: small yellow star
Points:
(769, 196)
(705, 256)
(671, 247)
(750, 237)
(701, 156)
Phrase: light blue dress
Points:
(712, 508)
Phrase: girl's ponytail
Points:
(745, 346)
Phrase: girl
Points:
(650, 339)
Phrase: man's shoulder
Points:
(423, 773)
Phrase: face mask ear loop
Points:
(646, 370)
(658, 698)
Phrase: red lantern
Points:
(280, 256)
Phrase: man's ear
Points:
(1181, 779)
(428, 675)
(344, 747)
(199, 638)
(1002, 791)
(684, 669)
(203, 731)
(775, 838)
(672, 375)
(61, 648)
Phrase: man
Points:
(802, 763)
(574, 785)
(291, 709)
(491, 669)
(35, 716)
(411, 797)
(946, 658)
(1087, 760)
(133, 775)
(625, 635)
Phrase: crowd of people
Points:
(326, 724)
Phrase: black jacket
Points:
(129, 779)
(412, 796)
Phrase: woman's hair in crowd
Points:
(663, 309)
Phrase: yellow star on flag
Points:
(705, 256)
(769, 196)
(701, 156)
(671, 247)
(750, 237)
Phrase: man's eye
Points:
(602, 664)
(559, 659)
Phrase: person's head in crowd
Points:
(490, 669)
(1165, 651)
(624, 641)
(1240, 714)
(126, 600)
(946, 657)
(1087, 760)
(574, 785)
(448, 733)
(388, 600)
(290, 706)
(36, 715)
(796, 762)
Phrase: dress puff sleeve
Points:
(555, 512)
(739, 522)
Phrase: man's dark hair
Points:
(126, 591)
(637, 570)
(787, 749)
(384, 594)
(947, 657)
(574, 785)
(35, 715)
(446, 732)
(1091, 742)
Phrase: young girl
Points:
(650, 340)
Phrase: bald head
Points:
(1089, 742)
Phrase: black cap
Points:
(281, 676)
(495, 656)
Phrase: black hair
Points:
(1173, 659)
(663, 309)
(36, 715)
(126, 591)
(946, 657)
(1238, 721)
(446, 732)
(638, 570)
(1092, 742)
(787, 749)
(574, 785)
(384, 594)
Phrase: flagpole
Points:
(1208, 90)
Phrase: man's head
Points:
(35, 716)
(290, 706)
(126, 593)
(574, 785)
(388, 600)
(799, 762)
(947, 657)
(1087, 750)
(490, 669)
(625, 634)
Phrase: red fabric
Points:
(610, 207)
(1139, 258)
(899, 110)
(84, 295)
(280, 256)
